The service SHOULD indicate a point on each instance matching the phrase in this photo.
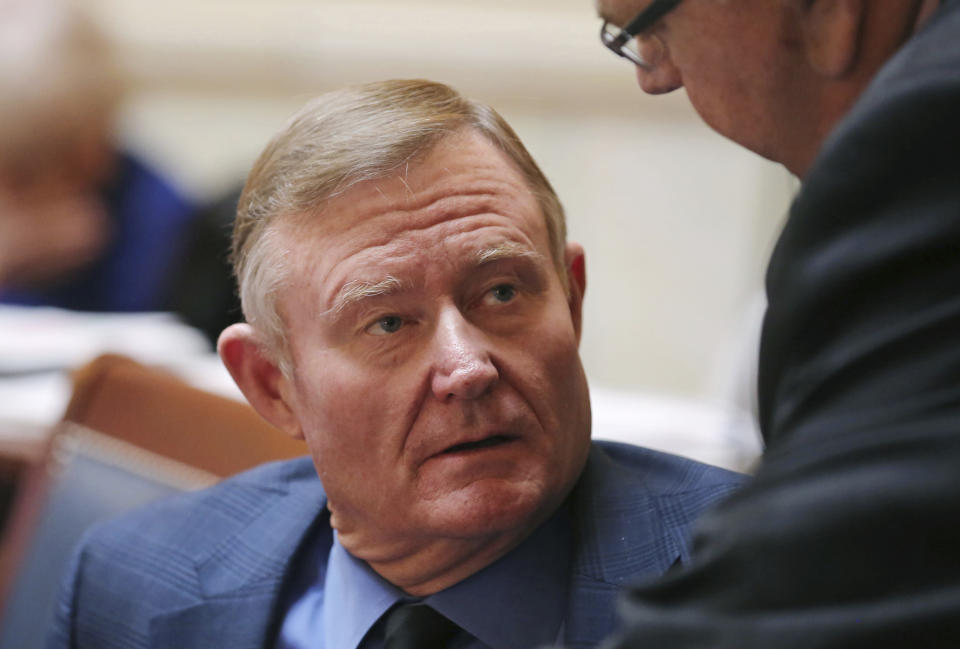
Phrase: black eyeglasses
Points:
(624, 42)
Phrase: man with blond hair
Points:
(848, 536)
(413, 312)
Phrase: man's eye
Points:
(386, 325)
(502, 293)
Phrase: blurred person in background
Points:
(84, 224)
(848, 536)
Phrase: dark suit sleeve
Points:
(849, 535)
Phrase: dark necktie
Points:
(417, 626)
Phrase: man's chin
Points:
(490, 507)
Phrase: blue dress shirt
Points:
(517, 602)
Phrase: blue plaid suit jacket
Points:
(207, 569)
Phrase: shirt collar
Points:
(356, 597)
(517, 602)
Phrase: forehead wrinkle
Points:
(458, 206)
(403, 179)
(437, 210)
(452, 186)
(357, 290)
(496, 197)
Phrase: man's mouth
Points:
(487, 442)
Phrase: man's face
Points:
(737, 60)
(436, 376)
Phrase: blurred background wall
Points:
(677, 222)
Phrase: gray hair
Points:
(342, 138)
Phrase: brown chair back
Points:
(157, 411)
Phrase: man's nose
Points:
(661, 78)
(463, 368)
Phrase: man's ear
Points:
(263, 384)
(577, 280)
(832, 32)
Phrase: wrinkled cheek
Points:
(564, 380)
(565, 364)
(355, 437)
(337, 433)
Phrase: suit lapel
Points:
(239, 623)
(621, 536)
(242, 576)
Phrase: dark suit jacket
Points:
(849, 536)
(207, 570)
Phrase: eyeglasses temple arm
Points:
(653, 13)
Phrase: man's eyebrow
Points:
(505, 250)
(357, 290)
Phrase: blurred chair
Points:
(159, 412)
(131, 434)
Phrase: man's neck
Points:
(831, 108)
(443, 563)
(424, 566)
